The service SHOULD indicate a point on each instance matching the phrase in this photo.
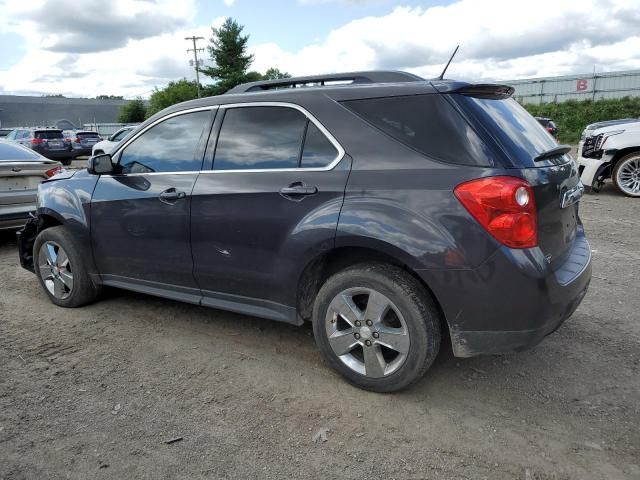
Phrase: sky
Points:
(129, 47)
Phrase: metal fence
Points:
(594, 86)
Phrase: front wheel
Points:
(626, 174)
(377, 326)
(61, 267)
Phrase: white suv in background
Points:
(612, 152)
(106, 146)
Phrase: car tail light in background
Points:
(37, 141)
(504, 206)
(50, 173)
(77, 140)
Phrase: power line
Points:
(195, 51)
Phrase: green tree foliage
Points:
(228, 51)
(175, 92)
(275, 74)
(572, 116)
(132, 112)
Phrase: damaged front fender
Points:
(26, 236)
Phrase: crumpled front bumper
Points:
(25, 238)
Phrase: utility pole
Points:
(195, 51)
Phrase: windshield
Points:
(10, 152)
(49, 134)
(120, 135)
(519, 134)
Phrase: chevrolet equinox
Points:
(390, 211)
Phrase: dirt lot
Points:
(97, 392)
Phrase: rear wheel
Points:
(377, 326)
(61, 267)
(626, 174)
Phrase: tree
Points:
(228, 51)
(174, 92)
(132, 112)
(275, 74)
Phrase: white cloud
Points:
(229, 3)
(498, 40)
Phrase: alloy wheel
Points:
(628, 176)
(55, 270)
(367, 332)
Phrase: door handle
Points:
(171, 195)
(298, 189)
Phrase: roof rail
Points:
(375, 76)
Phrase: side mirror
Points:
(100, 164)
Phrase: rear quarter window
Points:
(427, 124)
(519, 135)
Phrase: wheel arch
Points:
(320, 268)
(623, 152)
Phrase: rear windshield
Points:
(10, 152)
(519, 134)
(49, 134)
(87, 134)
(426, 123)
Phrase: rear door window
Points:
(318, 151)
(260, 138)
(427, 124)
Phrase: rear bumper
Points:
(15, 216)
(513, 300)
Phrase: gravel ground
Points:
(99, 392)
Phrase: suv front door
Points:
(140, 228)
(269, 204)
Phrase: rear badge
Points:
(569, 197)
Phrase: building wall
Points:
(577, 87)
(19, 111)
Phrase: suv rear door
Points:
(268, 205)
(140, 215)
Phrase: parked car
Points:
(106, 146)
(548, 125)
(592, 127)
(5, 131)
(389, 212)
(21, 170)
(613, 152)
(48, 142)
(81, 141)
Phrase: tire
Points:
(49, 246)
(67, 161)
(626, 174)
(410, 310)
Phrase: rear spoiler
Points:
(491, 91)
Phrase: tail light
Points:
(77, 140)
(504, 206)
(37, 141)
(50, 173)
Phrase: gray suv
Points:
(389, 211)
